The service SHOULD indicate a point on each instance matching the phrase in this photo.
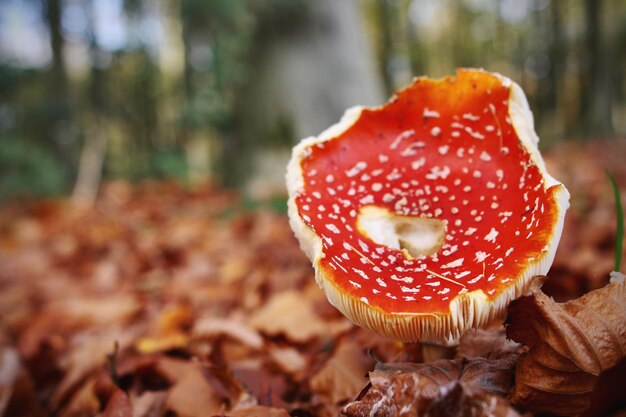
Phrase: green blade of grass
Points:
(619, 238)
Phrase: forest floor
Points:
(165, 301)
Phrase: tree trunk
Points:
(61, 129)
(306, 76)
(95, 145)
(596, 95)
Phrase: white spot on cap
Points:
(418, 163)
(356, 169)
(481, 256)
(368, 199)
(485, 156)
(492, 235)
(453, 264)
(411, 150)
(435, 131)
(474, 280)
(329, 178)
(470, 231)
(361, 273)
(383, 158)
(470, 116)
(398, 139)
(438, 172)
(443, 149)
(388, 198)
(376, 187)
(365, 300)
(430, 113)
(333, 228)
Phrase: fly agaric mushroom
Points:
(425, 217)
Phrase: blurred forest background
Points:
(220, 90)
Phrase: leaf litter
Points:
(215, 311)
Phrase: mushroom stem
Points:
(432, 352)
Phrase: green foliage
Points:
(28, 170)
(170, 164)
(619, 236)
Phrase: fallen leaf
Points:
(200, 389)
(149, 404)
(119, 405)
(570, 344)
(289, 314)
(289, 359)
(487, 343)
(401, 389)
(343, 375)
(268, 388)
(83, 402)
(17, 390)
(211, 327)
(192, 395)
(457, 400)
(258, 411)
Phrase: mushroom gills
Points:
(413, 236)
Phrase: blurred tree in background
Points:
(220, 89)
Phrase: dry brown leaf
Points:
(119, 405)
(408, 389)
(192, 395)
(211, 326)
(570, 344)
(200, 389)
(259, 411)
(149, 404)
(84, 402)
(457, 400)
(290, 314)
(487, 343)
(289, 359)
(17, 390)
(343, 375)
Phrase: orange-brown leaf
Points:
(570, 344)
(413, 389)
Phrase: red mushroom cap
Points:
(425, 217)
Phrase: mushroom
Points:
(426, 216)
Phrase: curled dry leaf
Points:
(487, 343)
(119, 405)
(570, 344)
(343, 375)
(412, 389)
(259, 410)
(289, 314)
(456, 399)
(214, 327)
